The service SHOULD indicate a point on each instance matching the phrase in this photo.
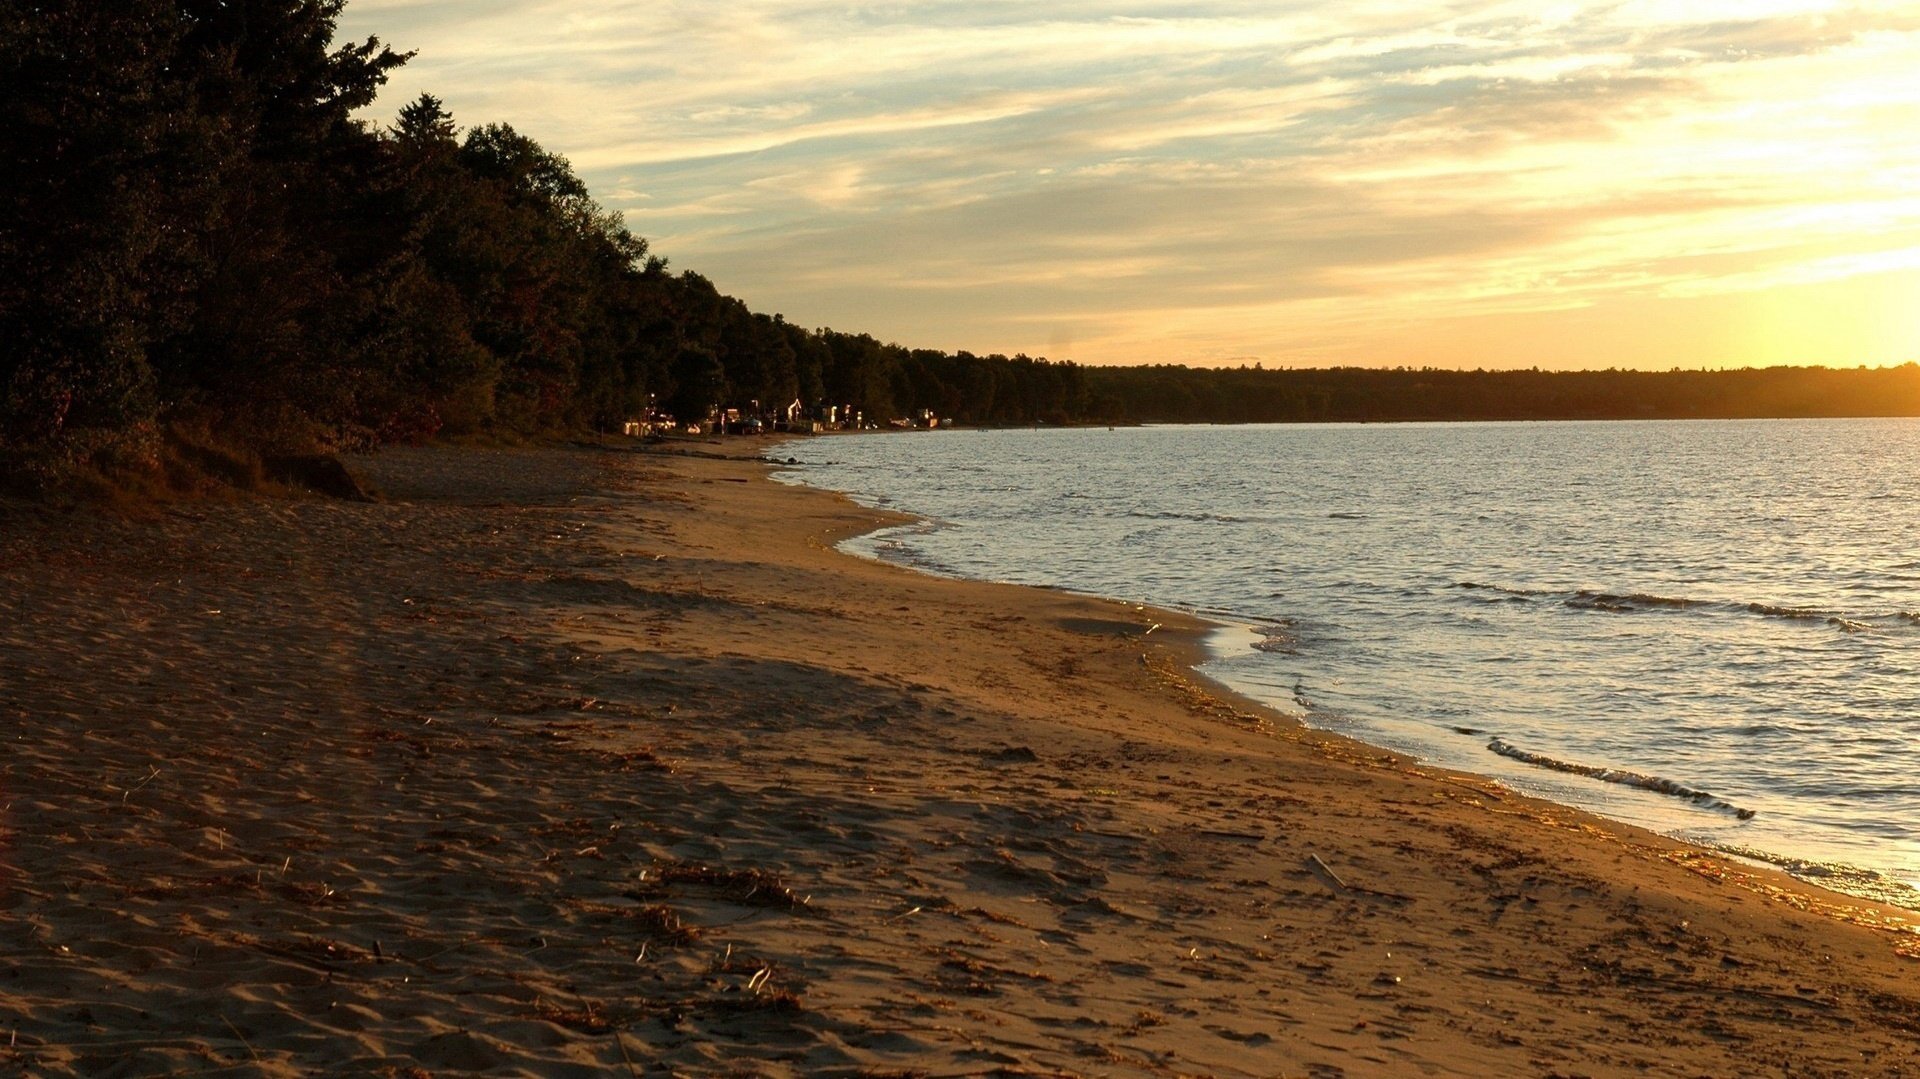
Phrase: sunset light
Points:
(960, 537)
(1639, 184)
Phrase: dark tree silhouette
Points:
(199, 241)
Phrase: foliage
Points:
(197, 235)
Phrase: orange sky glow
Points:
(1694, 183)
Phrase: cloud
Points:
(1210, 179)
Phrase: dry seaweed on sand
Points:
(656, 921)
(749, 887)
(589, 1018)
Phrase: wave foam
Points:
(1837, 876)
(1656, 784)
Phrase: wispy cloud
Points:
(1303, 181)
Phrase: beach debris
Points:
(312, 893)
(751, 887)
(255, 1053)
(151, 776)
(588, 1019)
(1321, 869)
(621, 1042)
(1325, 871)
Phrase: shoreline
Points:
(560, 760)
(1641, 794)
(1208, 651)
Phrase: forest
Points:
(203, 244)
(1166, 394)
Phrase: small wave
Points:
(1837, 876)
(1176, 515)
(1523, 593)
(1631, 601)
(1808, 614)
(1797, 614)
(1615, 775)
(1279, 641)
(1347, 516)
(1587, 599)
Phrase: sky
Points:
(1296, 183)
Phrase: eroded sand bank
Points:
(577, 763)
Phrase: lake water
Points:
(1710, 629)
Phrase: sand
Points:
(603, 763)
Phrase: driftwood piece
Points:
(1323, 869)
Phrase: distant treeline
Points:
(1249, 395)
(200, 242)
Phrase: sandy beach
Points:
(576, 762)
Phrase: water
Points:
(1709, 629)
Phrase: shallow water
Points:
(1711, 629)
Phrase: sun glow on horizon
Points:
(1630, 184)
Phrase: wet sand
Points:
(602, 763)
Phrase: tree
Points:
(699, 383)
(85, 117)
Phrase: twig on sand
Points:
(151, 776)
(243, 1038)
(622, 1043)
(1322, 868)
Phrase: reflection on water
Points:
(1730, 609)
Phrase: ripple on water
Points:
(1707, 601)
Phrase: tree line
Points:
(200, 239)
(1171, 394)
